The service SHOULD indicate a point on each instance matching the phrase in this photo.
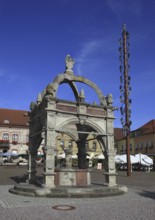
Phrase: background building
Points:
(14, 137)
(142, 140)
(14, 131)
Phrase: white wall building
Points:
(14, 131)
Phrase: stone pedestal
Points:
(68, 160)
(110, 179)
(72, 177)
(49, 180)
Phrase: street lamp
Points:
(125, 90)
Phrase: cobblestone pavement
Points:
(138, 203)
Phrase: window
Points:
(6, 122)
(27, 138)
(70, 144)
(151, 144)
(15, 137)
(141, 146)
(5, 136)
(122, 148)
(94, 146)
(137, 145)
(146, 145)
(138, 133)
(62, 143)
(87, 146)
(130, 147)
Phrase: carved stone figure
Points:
(50, 90)
(109, 99)
(69, 64)
(32, 105)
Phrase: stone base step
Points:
(68, 192)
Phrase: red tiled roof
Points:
(13, 118)
(118, 134)
(149, 127)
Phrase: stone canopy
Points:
(50, 116)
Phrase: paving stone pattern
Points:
(137, 204)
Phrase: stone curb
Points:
(92, 191)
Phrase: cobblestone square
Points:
(138, 203)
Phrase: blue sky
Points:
(36, 36)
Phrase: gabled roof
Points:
(118, 134)
(147, 128)
(13, 118)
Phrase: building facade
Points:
(142, 140)
(14, 136)
(14, 131)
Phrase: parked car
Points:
(18, 159)
(5, 159)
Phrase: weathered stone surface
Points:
(49, 116)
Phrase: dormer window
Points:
(6, 122)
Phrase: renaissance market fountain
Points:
(50, 116)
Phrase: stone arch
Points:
(68, 133)
(73, 87)
(70, 79)
(64, 123)
(97, 129)
(101, 138)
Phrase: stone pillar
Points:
(68, 160)
(110, 172)
(49, 167)
(49, 164)
(32, 167)
(82, 162)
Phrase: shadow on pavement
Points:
(24, 178)
(19, 179)
(148, 194)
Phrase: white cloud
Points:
(86, 51)
(91, 50)
(119, 6)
